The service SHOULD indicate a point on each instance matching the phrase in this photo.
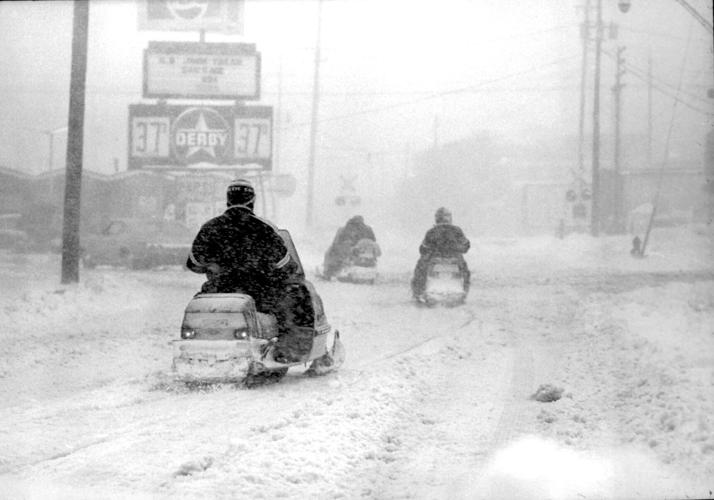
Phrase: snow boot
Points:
(329, 361)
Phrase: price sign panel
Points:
(252, 137)
(201, 71)
(149, 137)
(206, 137)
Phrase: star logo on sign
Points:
(187, 9)
(201, 138)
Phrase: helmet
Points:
(240, 193)
(443, 215)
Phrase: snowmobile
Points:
(445, 283)
(224, 339)
(361, 266)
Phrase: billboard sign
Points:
(195, 70)
(206, 137)
(191, 15)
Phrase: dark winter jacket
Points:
(354, 231)
(444, 240)
(240, 252)
(346, 239)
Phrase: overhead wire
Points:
(671, 93)
(652, 33)
(655, 200)
(434, 95)
(660, 86)
(635, 69)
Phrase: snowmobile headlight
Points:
(240, 333)
(187, 333)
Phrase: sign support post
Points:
(75, 143)
(313, 121)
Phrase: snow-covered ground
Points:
(431, 403)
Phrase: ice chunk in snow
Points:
(547, 393)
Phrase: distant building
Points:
(191, 198)
(495, 185)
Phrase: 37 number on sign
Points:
(150, 137)
(252, 138)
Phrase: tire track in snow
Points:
(517, 409)
(607, 279)
(118, 434)
(448, 332)
(458, 388)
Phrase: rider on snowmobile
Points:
(241, 253)
(443, 240)
(365, 253)
(345, 241)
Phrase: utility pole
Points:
(649, 110)
(617, 90)
(75, 143)
(277, 136)
(313, 123)
(585, 35)
(595, 210)
(278, 118)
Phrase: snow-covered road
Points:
(431, 403)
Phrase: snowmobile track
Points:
(606, 281)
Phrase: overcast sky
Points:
(396, 76)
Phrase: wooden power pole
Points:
(618, 191)
(595, 210)
(585, 35)
(309, 217)
(75, 143)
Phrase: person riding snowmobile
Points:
(346, 239)
(241, 253)
(442, 240)
(365, 253)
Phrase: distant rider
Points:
(442, 240)
(241, 253)
(365, 253)
(342, 248)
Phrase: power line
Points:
(641, 73)
(651, 33)
(637, 74)
(635, 69)
(671, 95)
(435, 95)
(655, 200)
(532, 88)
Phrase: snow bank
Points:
(431, 403)
(669, 249)
(638, 372)
(672, 249)
(535, 468)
